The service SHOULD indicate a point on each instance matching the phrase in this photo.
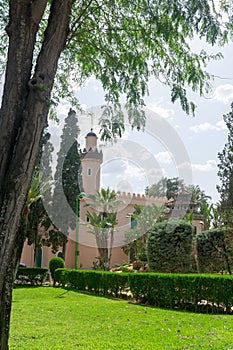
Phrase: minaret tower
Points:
(91, 161)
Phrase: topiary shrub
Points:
(169, 247)
(30, 276)
(55, 263)
(214, 250)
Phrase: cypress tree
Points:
(68, 182)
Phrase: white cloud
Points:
(221, 125)
(164, 157)
(208, 127)
(202, 127)
(130, 170)
(161, 111)
(128, 177)
(63, 108)
(223, 93)
(210, 165)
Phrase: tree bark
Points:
(22, 118)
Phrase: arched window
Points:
(89, 172)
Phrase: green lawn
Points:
(46, 318)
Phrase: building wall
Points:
(91, 174)
(87, 246)
(88, 251)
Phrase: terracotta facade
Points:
(92, 159)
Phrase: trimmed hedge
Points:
(193, 292)
(98, 282)
(31, 275)
(197, 293)
(54, 264)
(169, 247)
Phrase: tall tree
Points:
(165, 187)
(36, 225)
(37, 216)
(68, 181)
(122, 43)
(225, 173)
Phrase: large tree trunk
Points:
(22, 119)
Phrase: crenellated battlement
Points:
(140, 198)
(92, 153)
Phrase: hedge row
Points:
(197, 293)
(31, 275)
(98, 282)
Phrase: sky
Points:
(172, 144)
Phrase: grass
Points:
(54, 318)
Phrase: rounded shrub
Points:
(55, 263)
(215, 250)
(169, 247)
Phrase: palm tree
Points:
(39, 185)
(105, 203)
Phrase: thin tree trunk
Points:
(64, 243)
(22, 119)
(111, 245)
(106, 261)
(98, 236)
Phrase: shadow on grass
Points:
(204, 308)
(188, 308)
(112, 297)
(63, 294)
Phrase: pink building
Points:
(92, 159)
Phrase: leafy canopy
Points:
(123, 43)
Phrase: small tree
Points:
(142, 220)
(55, 263)
(102, 224)
(169, 246)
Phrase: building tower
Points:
(91, 160)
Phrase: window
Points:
(89, 171)
(133, 223)
(87, 219)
